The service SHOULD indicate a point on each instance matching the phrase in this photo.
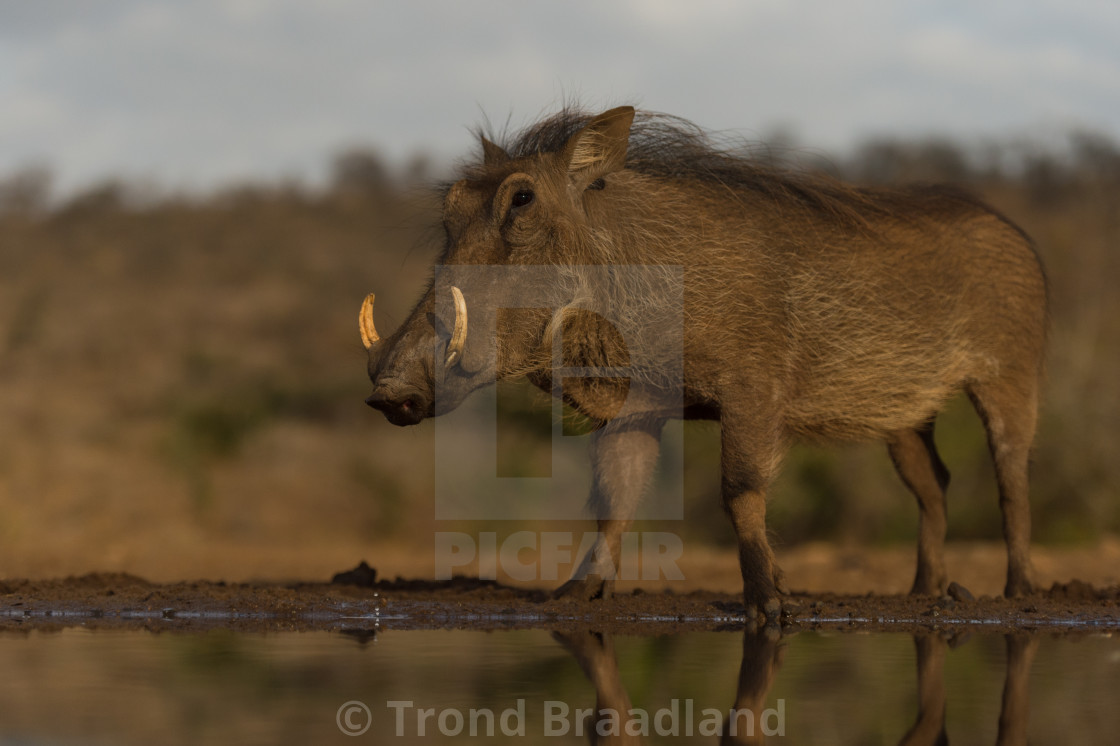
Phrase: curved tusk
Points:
(365, 322)
(459, 335)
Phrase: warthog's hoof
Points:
(765, 616)
(585, 589)
(929, 584)
(1017, 587)
(780, 582)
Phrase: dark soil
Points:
(356, 602)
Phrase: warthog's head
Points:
(404, 368)
(509, 212)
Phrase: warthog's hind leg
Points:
(915, 457)
(1009, 410)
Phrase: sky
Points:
(196, 94)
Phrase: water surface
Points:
(121, 687)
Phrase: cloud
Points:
(197, 93)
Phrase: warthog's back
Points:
(868, 326)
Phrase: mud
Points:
(357, 603)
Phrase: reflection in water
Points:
(817, 687)
(749, 721)
(595, 653)
(614, 721)
(929, 729)
(762, 656)
(1014, 713)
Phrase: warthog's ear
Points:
(599, 148)
(492, 155)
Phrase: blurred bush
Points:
(194, 362)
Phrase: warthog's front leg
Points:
(752, 446)
(623, 456)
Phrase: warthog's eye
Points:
(522, 197)
(597, 185)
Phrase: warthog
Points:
(811, 309)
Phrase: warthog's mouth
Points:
(401, 410)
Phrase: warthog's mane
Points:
(670, 147)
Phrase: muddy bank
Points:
(359, 602)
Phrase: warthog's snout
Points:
(401, 405)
